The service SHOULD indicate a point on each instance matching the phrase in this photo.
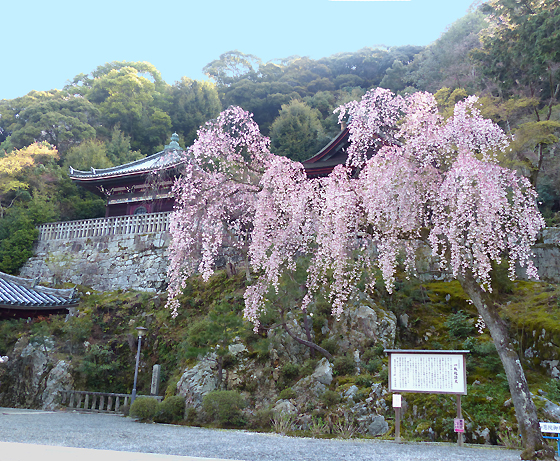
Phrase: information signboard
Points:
(437, 372)
(550, 427)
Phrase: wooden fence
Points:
(99, 402)
(117, 225)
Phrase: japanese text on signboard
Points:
(435, 373)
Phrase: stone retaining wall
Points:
(139, 260)
(105, 263)
(547, 255)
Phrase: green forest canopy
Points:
(122, 111)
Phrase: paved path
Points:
(24, 434)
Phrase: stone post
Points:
(156, 372)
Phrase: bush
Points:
(330, 398)
(459, 326)
(224, 407)
(192, 415)
(101, 369)
(125, 409)
(374, 365)
(364, 380)
(330, 345)
(287, 394)
(288, 374)
(308, 367)
(262, 419)
(384, 375)
(344, 365)
(553, 390)
(144, 408)
(289, 371)
(171, 410)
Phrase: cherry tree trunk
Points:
(534, 444)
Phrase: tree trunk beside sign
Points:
(535, 447)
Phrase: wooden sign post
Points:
(397, 403)
(433, 372)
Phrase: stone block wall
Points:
(547, 255)
(128, 261)
(137, 259)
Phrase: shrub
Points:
(289, 371)
(262, 419)
(288, 374)
(330, 398)
(374, 365)
(384, 375)
(287, 394)
(318, 427)
(125, 409)
(344, 365)
(224, 407)
(283, 422)
(364, 380)
(144, 408)
(77, 330)
(330, 345)
(192, 415)
(308, 367)
(172, 409)
(459, 326)
(101, 369)
(553, 390)
(368, 355)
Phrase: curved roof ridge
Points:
(19, 291)
(143, 164)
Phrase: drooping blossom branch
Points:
(437, 182)
(284, 227)
(215, 196)
(421, 178)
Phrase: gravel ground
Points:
(112, 432)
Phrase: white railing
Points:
(117, 225)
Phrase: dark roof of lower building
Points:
(17, 293)
(333, 154)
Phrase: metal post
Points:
(141, 331)
(136, 370)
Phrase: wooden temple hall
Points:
(129, 189)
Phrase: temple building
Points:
(333, 154)
(131, 188)
(23, 298)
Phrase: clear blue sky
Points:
(46, 43)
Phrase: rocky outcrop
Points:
(311, 387)
(198, 381)
(547, 255)
(364, 323)
(59, 378)
(378, 426)
(287, 348)
(32, 377)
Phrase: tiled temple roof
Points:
(20, 294)
(171, 156)
(333, 154)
